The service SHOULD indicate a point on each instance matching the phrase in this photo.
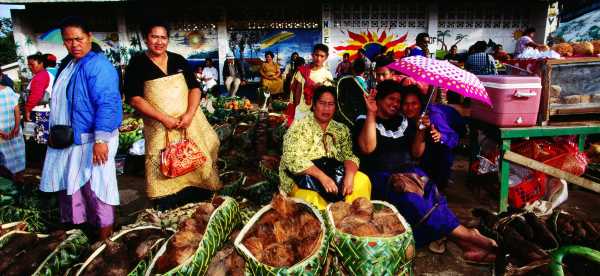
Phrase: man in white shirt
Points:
(210, 76)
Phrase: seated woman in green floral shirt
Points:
(317, 140)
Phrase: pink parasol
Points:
(442, 74)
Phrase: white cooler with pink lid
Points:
(515, 99)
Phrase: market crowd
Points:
(387, 148)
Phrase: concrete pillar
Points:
(326, 27)
(123, 35)
(539, 20)
(432, 25)
(24, 38)
(222, 43)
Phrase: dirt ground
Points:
(461, 200)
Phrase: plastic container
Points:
(120, 163)
(29, 129)
(515, 100)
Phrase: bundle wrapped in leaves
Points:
(371, 238)
(286, 237)
(25, 253)
(126, 253)
(190, 249)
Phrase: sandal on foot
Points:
(438, 247)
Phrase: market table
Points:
(506, 135)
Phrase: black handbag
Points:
(332, 168)
(62, 136)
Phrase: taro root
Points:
(543, 236)
(14, 247)
(522, 250)
(184, 243)
(361, 219)
(284, 235)
(519, 224)
(29, 261)
(120, 256)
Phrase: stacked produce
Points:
(360, 219)
(527, 241)
(572, 230)
(13, 226)
(235, 103)
(371, 238)
(583, 48)
(121, 254)
(130, 131)
(284, 235)
(198, 237)
(24, 253)
(184, 243)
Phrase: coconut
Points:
(564, 49)
(340, 210)
(284, 235)
(362, 207)
(583, 48)
(596, 44)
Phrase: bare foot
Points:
(479, 256)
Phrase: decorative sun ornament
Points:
(195, 39)
(373, 44)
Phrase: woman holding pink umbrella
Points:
(388, 144)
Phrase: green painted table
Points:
(505, 136)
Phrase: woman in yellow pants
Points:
(315, 137)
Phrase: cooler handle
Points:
(523, 94)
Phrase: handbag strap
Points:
(168, 141)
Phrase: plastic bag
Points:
(529, 190)
(560, 152)
(138, 148)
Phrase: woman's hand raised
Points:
(370, 102)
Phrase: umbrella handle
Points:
(431, 94)
(421, 125)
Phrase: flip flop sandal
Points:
(438, 247)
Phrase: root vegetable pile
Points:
(25, 252)
(120, 256)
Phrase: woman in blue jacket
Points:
(86, 97)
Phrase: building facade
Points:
(214, 30)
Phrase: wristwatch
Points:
(100, 141)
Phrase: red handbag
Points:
(180, 158)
